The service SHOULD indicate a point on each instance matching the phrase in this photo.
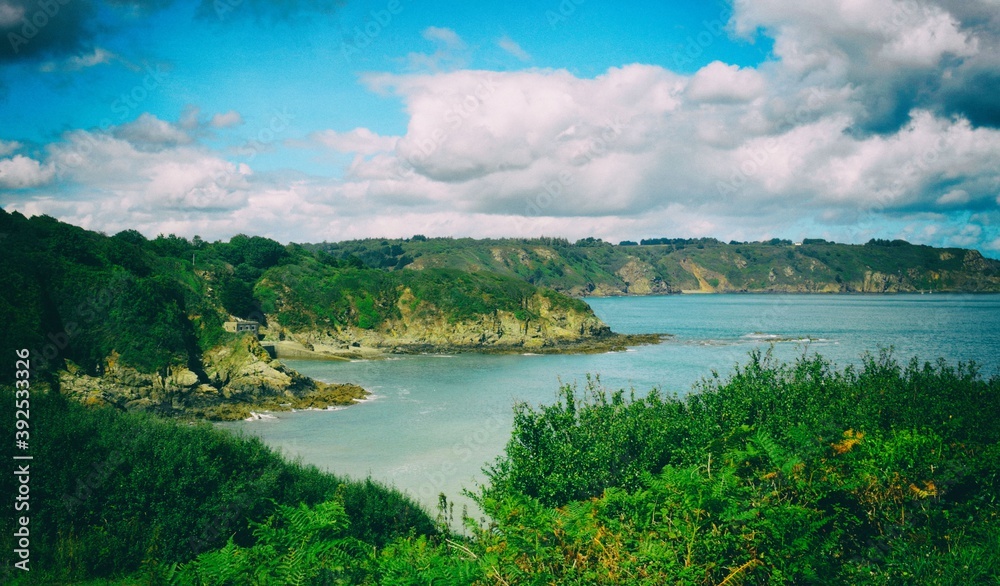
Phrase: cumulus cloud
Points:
(898, 55)
(9, 146)
(21, 172)
(872, 119)
(114, 179)
(718, 82)
(149, 132)
(178, 178)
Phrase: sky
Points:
(327, 120)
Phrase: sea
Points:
(432, 422)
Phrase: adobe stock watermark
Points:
(462, 451)
(86, 485)
(456, 116)
(47, 11)
(556, 188)
(905, 15)
(279, 123)
(562, 12)
(762, 152)
(365, 35)
(125, 105)
(696, 44)
(922, 164)
(225, 521)
(224, 7)
(84, 313)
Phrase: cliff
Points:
(238, 378)
(543, 326)
(418, 311)
(139, 323)
(591, 267)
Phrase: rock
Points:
(238, 375)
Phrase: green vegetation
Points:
(78, 295)
(779, 474)
(120, 493)
(670, 265)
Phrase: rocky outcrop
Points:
(876, 282)
(544, 325)
(640, 279)
(238, 378)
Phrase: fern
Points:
(739, 574)
(295, 546)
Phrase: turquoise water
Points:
(433, 421)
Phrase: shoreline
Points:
(777, 292)
(285, 350)
(326, 397)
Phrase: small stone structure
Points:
(241, 326)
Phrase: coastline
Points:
(325, 397)
(608, 343)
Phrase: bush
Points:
(128, 489)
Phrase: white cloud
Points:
(189, 117)
(954, 197)
(451, 52)
(895, 54)
(926, 42)
(8, 146)
(77, 62)
(444, 36)
(120, 167)
(359, 140)
(841, 133)
(718, 82)
(225, 119)
(21, 172)
(151, 132)
(510, 45)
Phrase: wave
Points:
(765, 337)
(263, 416)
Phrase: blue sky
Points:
(309, 120)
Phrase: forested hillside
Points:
(139, 322)
(672, 265)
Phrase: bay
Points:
(433, 421)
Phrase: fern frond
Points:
(738, 575)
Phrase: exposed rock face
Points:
(640, 279)
(238, 376)
(553, 326)
(876, 282)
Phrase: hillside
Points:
(139, 323)
(798, 473)
(593, 267)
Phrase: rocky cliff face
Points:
(640, 279)
(238, 377)
(422, 327)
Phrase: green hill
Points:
(593, 267)
(140, 323)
